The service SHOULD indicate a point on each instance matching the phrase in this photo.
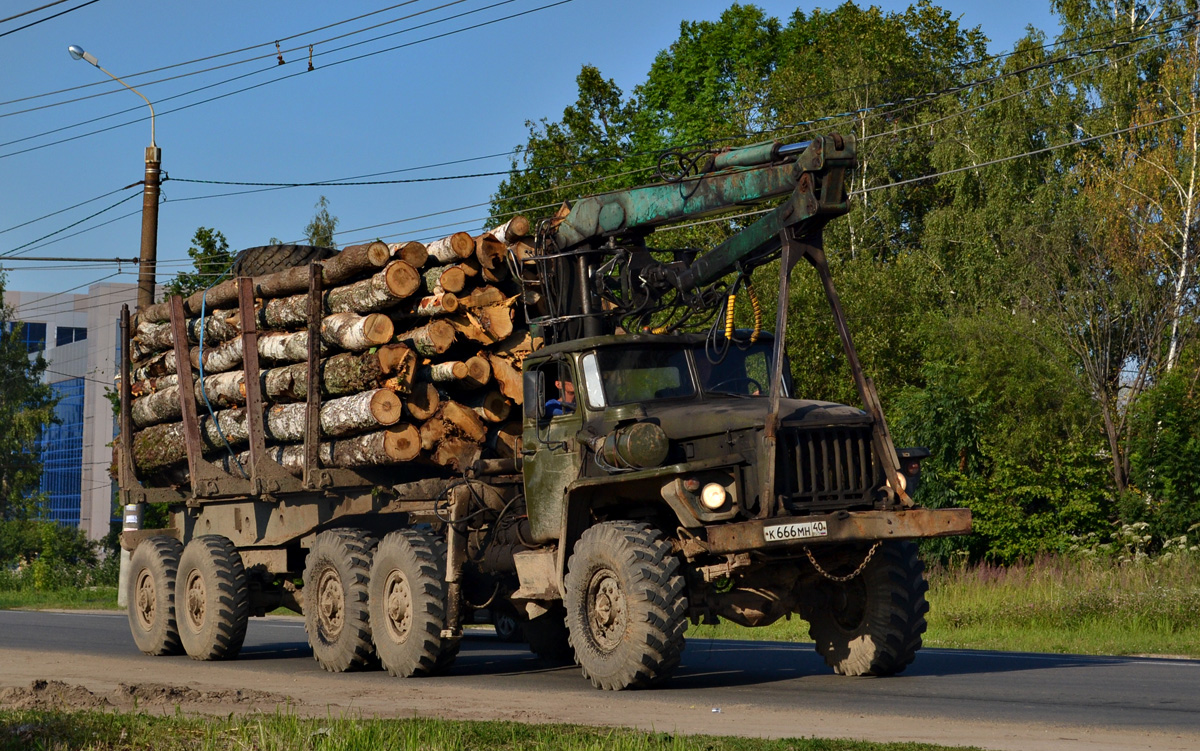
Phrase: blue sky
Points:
(461, 96)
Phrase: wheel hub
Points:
(607, 616)
(331, 604)
(398, 596)
(194, 596)
(144, 600)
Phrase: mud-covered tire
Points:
(267, 259)
(548, 637)
(336, 617)
(407, 603)
(872, 624)
(626, 606)
(151, 596)
(212, 600)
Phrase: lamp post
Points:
(150, 191)
(132, 516)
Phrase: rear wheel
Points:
(212, 599)
(626, 606)
(872, 624)
(408, 603)
(267, 259)
(336, 616)
(549, 638)
(153, 570)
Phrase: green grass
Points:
(88, 598)
(1074, 605)
(119, 731)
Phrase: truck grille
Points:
(828, 468)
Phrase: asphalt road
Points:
(996, 691)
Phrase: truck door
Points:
(553, 457)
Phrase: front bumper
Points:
(840, 526)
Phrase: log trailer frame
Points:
(675, 489)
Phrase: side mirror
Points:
(534, 386)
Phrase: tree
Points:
(210, 256)
(26, 408)
(320, 230)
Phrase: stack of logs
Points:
(419, 361)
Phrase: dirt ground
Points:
(41, 679)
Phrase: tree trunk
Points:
(512, 230)
(383, 290)
(156, 366)
(433, 338)
(490, 252)
(347, 415)
(413, 253)
(440, 279)
(342, 374)
(397, 444)
(505, 440)
(463, 421)
(224, 390)
(479, 373)
(456, 454)
(355, 332)
(451, 249)
(482, 297)
(219, 358)
(350, 263)
(156, 337)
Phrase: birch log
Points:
(508, 379)
(342, 374)
(422, 402)
(153, 367)
(512, 230)
(433, 338)
(456, 454)
(223, 390)
(491, 406)
(413, 253)
(451, 249)
(440, 279)
(340, 417)
(490, 252)
(382, 290)
(396, 445)
(219, 357)
(350, 263)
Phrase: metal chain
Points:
(852, 574)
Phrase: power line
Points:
(32, 10)
(47, 18)
(279, 79)
(60, 211)
(69, 226)
(279, 53)
(133, 76)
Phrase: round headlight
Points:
(713, 496)
(903, 481)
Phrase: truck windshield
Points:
(642, 374)
(741, 372)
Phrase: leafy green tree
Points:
(1165, 457)
(322, 227)
(210, 256)
(26, 409)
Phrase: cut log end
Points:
(402, 443)
(422, 402)
(386, 407)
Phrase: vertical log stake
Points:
(254, 403)
(312, 412)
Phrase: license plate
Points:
(796, 531)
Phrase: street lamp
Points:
(150, 191)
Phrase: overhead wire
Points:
(280, 78)
(32, 10)
(47, 18)
(61, 211)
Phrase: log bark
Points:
(422, 402)
(350, 263)
(482, 297)
(354, 332)
(450, 371)
(219, 358)
(223, 390)
(440, 279)
(156, 366)
(451, 249)
(340, 417)
(396, 445)
(512, 230)
(151, 385)
(413, 253)
(386, 289)
(156, 337)
(491, 406)
(342, 374)
(486, 325)
(433, 338)
(160, 446)
(432, 306)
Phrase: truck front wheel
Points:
(872, 624)
(626, 606)
(335, 599)
(212, 599)
(408, 603)
(152, 572)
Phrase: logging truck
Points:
(554, 420)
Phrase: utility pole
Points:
(148, 260)
(147, 263)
